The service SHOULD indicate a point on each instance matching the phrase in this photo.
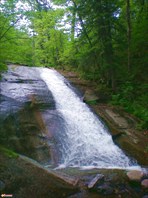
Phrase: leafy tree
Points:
(14, 43)
(49, 40)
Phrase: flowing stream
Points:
(84, 141)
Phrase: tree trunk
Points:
(105, 35)
(82, 24)
(128, 34)
(73, 25)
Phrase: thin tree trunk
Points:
(5, 32)
(85, 33)
(73, 23)
(82, 24)
(128, 34)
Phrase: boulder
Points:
(119, 120)
(90, 97)
(144, 183)
(135, 175)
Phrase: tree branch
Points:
(9, 28)
(8, 39)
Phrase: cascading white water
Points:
(85, 142)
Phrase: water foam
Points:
(84, 142)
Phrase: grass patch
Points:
(8, 152)
(91, 102)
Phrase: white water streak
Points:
(85, 141)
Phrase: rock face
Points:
(28, 179)
(28, 117)
(119, 120)
(135, 175)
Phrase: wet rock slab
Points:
(28, 118)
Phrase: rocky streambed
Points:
(29, 152)
(21, 176)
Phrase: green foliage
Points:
(133, 101)
(3, 67)
(68, 57)
(15, 45)
(91, 102)
(49, 41)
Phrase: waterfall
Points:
(84, 141)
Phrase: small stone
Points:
(135, 175)
(94, 181)
(144, 183)
(135, 141)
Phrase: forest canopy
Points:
(104, 40)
